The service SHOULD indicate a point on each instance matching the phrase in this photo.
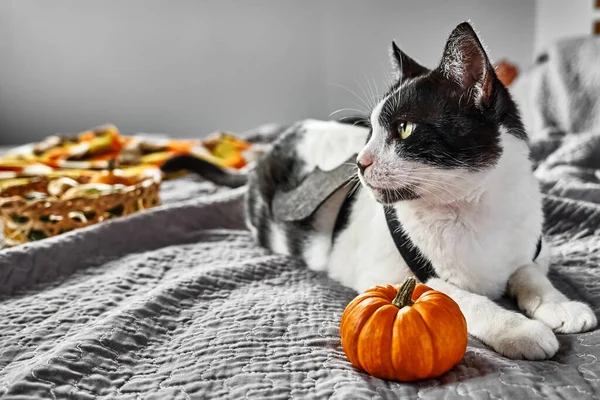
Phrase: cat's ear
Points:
(404, 67)
(466, 62)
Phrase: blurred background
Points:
(190, 67)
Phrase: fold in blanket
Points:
(560, 95)
(565, 109)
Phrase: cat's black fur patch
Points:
(343, 217)
(261, 222)
(448, 134)
(280, 169)
(458, 108)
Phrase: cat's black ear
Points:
(465, 62)
(404, 66)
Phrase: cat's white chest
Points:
(463, 248)
(477, 247)
(364, 254)
(449, 238)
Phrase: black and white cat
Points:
(446, 149)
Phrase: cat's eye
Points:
(405, 129)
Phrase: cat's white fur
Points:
(479, 230)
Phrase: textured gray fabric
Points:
(178, 302)
(565, 105)
(560, 96)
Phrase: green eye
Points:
(405, 129)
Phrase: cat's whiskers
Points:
(437, 173)
(441, 184)
(458, 162)
(424, 199)
(433, 185)
(389, 77)
(346, 109)
(358, 120)
(442, 202)
(455, 204)
(354, 179)
(363, 101)
(431, 204)
(456, 201)
(355, 188)
(407, 179)
(372, 95)
(378, 96)
(453, 200)
(430, 172)
(370, 101)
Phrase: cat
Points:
(445, 150)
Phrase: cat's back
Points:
(304, 147)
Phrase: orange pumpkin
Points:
(407, 334)
(506, 72)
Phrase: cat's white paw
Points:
(566, 316)
(526, 339)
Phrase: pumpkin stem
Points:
(404, 296)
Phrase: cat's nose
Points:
(363, 164)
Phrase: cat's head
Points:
(437, 133)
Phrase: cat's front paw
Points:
(526, 339)
(566, 316)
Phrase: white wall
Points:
(188, 67)
(556, 19)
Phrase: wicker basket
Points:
(25, 219)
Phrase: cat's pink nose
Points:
(363, 162)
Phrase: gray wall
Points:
(190, 67)
(557, 19)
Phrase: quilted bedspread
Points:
(178, 302)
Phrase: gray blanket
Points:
(178, 302)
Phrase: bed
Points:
(178, 302)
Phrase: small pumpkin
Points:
(407, 334)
